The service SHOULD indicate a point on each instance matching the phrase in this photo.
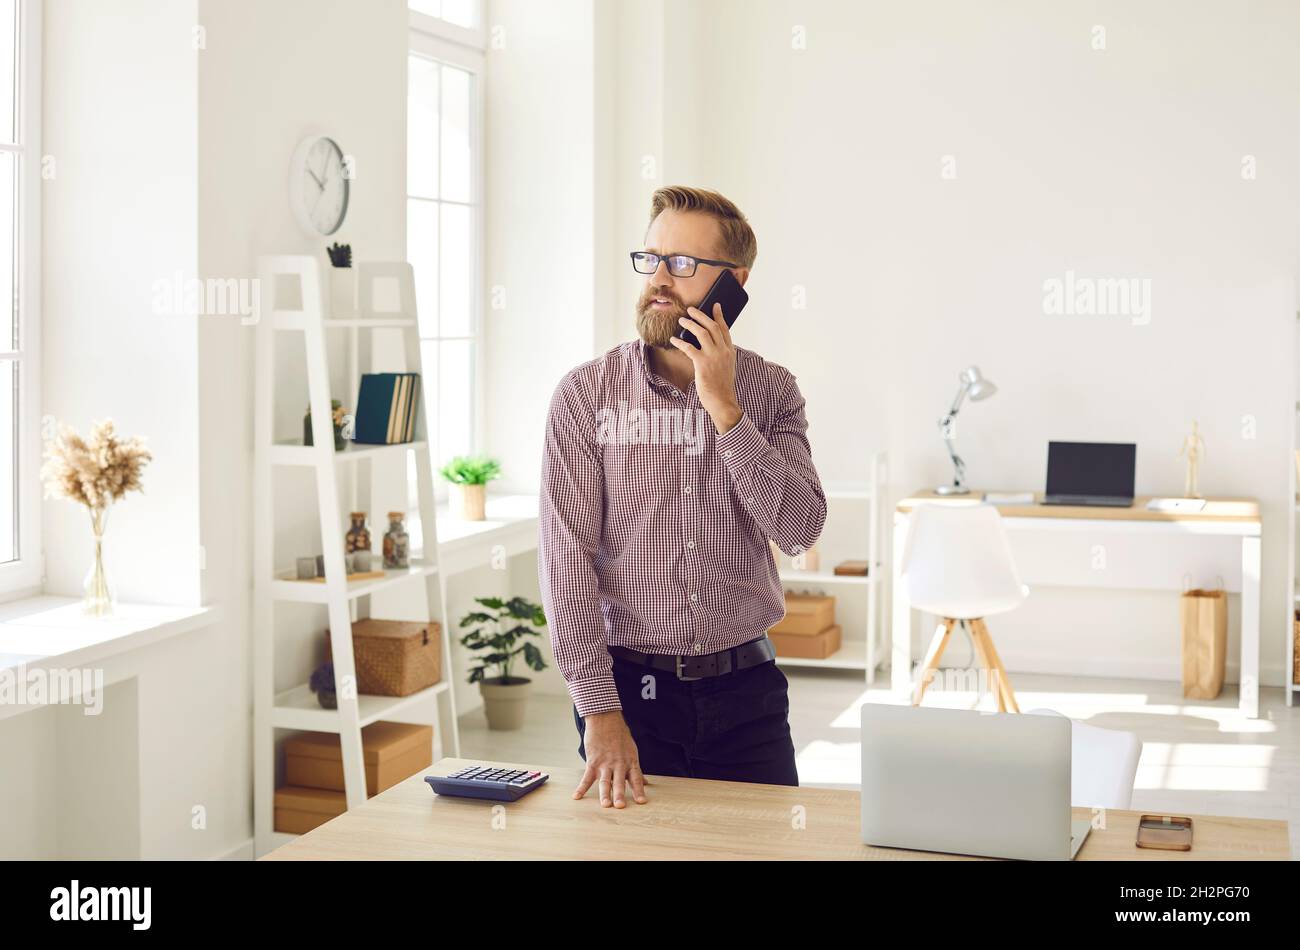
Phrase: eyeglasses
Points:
(679, 265)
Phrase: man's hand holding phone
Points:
(612, 762)
(715, 365)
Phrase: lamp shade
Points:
(978, 387)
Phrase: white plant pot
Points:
(506, 705)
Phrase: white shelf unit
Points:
(297, 708)
(854, 654)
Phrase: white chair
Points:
(1103, 764)
(957, 565)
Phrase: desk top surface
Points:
(688, 819)
(1216, 510)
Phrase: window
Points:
(20, 169)
(444, 215)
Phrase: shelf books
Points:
(387, 404)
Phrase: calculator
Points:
(487, 781)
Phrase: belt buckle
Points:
(685, 679)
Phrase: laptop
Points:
(995, 785)
(1090, 473)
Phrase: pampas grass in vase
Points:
(94, 473)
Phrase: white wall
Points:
(1124, 162)
(120, 213)
(541, 220)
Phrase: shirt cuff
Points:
(740, 445)
(595, 696)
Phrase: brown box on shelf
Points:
(392, 751)
(816, 647)
(851, 569)
(299, 810)
(806, 614)
(1295, 653)
(396, 657)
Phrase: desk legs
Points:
(1249, 690)
(900, 662)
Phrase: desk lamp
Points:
(977, 388)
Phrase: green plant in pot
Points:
(500, 631)
(468, 477)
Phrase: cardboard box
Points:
(816, 647)
(392, 751)
(299, 810)
(806, 614)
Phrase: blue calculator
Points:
(487, 781)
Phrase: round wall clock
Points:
(318, 187)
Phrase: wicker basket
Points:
(396, 657)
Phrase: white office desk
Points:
(1057, 546)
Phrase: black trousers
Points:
(734, 728)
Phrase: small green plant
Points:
(471, 470)
(491, 635)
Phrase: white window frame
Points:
(464, 49)
(23, 577)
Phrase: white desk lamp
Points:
(977, 388)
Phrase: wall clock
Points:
(318, 187)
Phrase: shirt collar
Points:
(654, 379)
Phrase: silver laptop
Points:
(990, 784)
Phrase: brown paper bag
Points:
(1205, 642)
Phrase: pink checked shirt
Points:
(653, 528)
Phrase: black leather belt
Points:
(704, 665)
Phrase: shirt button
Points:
(728, 454)
(687, 490)
(694, 597)
(690, 544)
(749, 501)
(698, 647)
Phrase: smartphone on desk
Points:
(1164, 833)
(727, 291)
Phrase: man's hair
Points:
(738, 242)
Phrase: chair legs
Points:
(991, 663)
(997, 672)
(932, 656)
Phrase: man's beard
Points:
(657, 327)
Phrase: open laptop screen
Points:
(1097, 469)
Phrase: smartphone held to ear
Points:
(727, 291)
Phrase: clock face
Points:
(318, 186)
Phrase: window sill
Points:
(511, 522)
(51, 632)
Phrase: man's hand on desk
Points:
(612, 761)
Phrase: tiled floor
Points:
(1198, 757)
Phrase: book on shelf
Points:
(387, 407)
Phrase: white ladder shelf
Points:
(297, 708)
(854, 654)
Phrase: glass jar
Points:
(358, 536)
(397, 543)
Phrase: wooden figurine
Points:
(1194, 449)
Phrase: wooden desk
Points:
(1056, 546)
(689, 819)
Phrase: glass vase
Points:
(99, 600)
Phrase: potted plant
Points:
(340, 423)
(500, 630)
(322, 684)
(468, 477)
